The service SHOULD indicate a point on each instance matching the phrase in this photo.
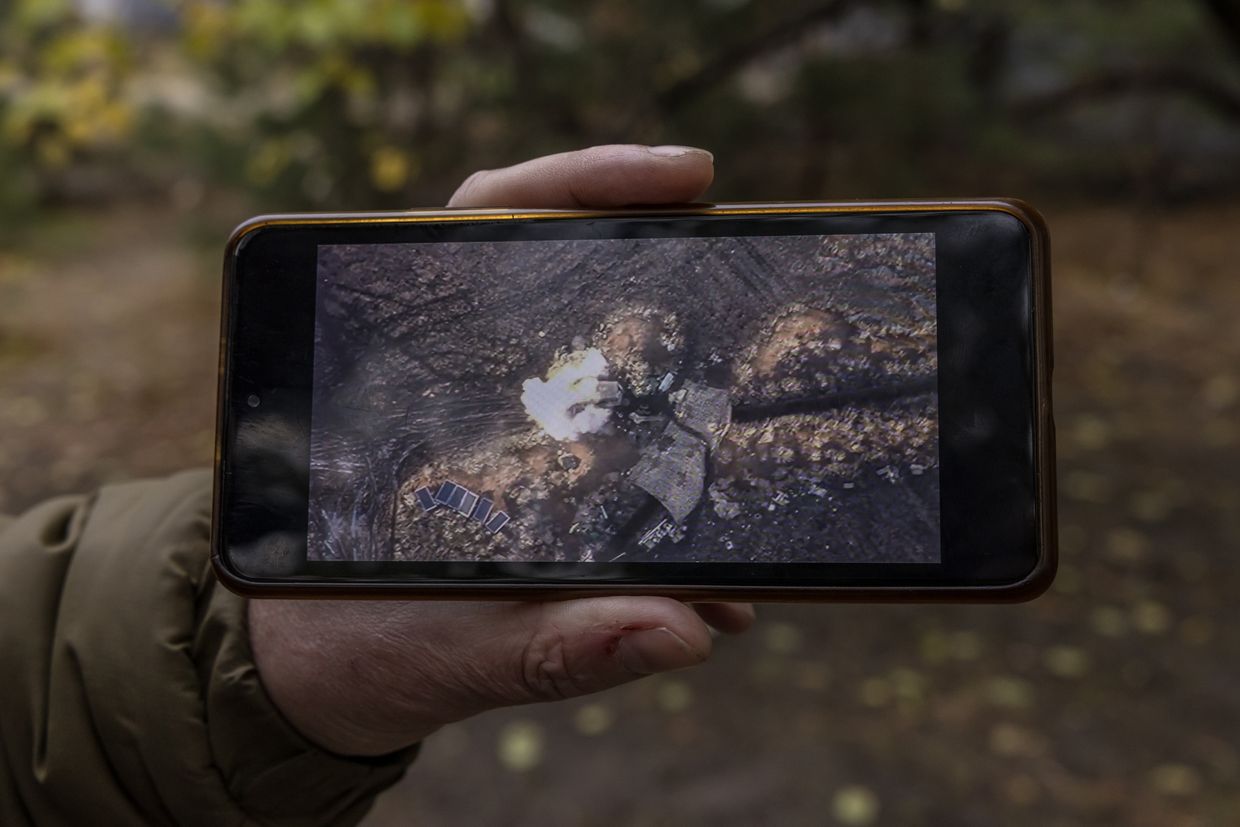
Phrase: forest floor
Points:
(1113, 699)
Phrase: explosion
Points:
(565, 404)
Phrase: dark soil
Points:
(824, 348)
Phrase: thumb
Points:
(362, 678)
(571, 648)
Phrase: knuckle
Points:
(546, 672)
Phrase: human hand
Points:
(368, 678)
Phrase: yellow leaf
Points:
(593, 719)
(521, 746)
(390, 168)
(855, 805)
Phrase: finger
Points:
(729, 618)
(577, 647)
(617, 175)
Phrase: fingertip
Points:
(622, 617)
(635, 174)
(729, 618)
(586, 645)
(649, 651)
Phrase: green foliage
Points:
(60, 97)
(327, 92)
(384, 103)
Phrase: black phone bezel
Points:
(996, 514)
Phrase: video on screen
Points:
(757, 399)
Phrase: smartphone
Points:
(824, 401)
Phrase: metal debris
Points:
(673, 471)
(704, 410)
(665, 530)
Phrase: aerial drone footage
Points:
(747, 399)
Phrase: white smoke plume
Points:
(565, 404)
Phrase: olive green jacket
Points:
(128, 694)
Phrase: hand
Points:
(367, 678)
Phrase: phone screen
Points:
(756, 399)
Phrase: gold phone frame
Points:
(1036, 582)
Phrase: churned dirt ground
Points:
(1114, 699)
(423, 352)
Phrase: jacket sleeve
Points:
(128, 693)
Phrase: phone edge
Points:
(1036, 582)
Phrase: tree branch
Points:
(1219, 96)
(729, 62)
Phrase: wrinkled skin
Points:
(368, 678)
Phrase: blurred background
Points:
(135, 133)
